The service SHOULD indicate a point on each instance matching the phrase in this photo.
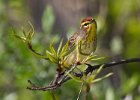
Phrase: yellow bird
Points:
(85, 41)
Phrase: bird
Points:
(84, 40)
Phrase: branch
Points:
(110, 64)
(90, 69)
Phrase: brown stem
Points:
(33, 51)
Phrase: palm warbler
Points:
(85, 41)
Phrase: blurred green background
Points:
(118, 37)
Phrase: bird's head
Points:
(88, 24)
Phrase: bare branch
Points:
(111, 64)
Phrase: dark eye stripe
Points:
(86, 24)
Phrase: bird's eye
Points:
(85, 25)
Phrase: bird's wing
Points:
(73, 39)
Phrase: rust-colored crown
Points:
(87, 19)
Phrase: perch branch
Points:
(90, 69)
(111, 64)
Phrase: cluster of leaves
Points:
(52, 54)
(60, 55)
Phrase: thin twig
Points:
(111, 64)
(33, 51)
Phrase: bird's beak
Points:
(93, 21)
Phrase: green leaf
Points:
(53, 49)
(51, 57)
(90, 79)
(21, 38)
(30, 33)
(24, 33)
(97, 58)
(89, 58)
(59, 47)
(74, 77)
(68, 51)
(64, 49)
(100, 79)
(99, 70)
(17, 36)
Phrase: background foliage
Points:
(118, 37)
